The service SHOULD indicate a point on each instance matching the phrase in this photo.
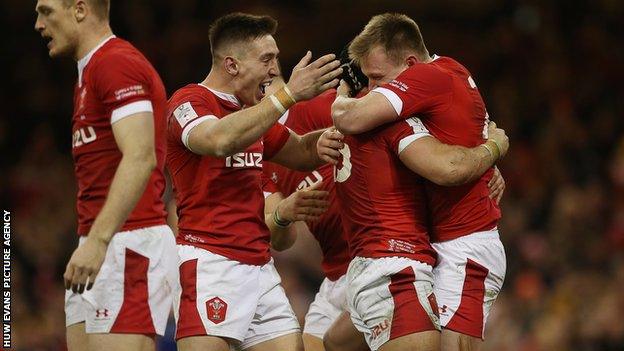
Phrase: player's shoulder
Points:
(118, 54)
(312, 114)
(193, 92)
(450, 65)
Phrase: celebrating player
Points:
(220, 131)
(406, 81)
(126, 257)
(329, 302)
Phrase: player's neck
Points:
(217, 82)
(91, 39)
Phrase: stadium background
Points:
(550, 73)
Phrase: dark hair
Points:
(238, 27)
(397, 33)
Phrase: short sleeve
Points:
(419, 89)
(403, 133)
(124, 85)
(274, 139)
(187, 112)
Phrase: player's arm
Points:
(281, 213)
(299, 151)
(235, 132)
(135, 138)
(283, 233)
(450, 165)
(358, 115)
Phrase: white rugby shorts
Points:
(226, 298)
(328, 304)
(467, 279)
(132, 293)
(391, 297)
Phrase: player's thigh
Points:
(391, 297)
(454, 341)
(121, 342)
(203, 343)
(219, 296)
(468, 277)
(329, 303)
(422, 341)
(288, 342)
(343, 335)
(273, 316)
(312, 343)
(76, 337)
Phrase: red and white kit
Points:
(390, 280)
(228, 280)
(464, 219)
(330, 301)
(116, 81)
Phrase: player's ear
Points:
(80, 10)
(411, 60)
(230, 65)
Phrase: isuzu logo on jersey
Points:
(83, 136)
(308, 181)
(216, 309)
(244, 159)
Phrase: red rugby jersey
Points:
(383, 203)
(444, 95)
(302, 118)
(115, 81)
(220, 201)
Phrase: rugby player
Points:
(126, 253)
(219, 133)
(406, 81)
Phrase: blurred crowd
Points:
(549, 71)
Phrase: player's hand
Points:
(310, 79)
(304, 205)
(329, 144)
(84, 265)
(344, 89)
(496, 186)
(500, 137)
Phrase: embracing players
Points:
(407, 82)
(220, 131)
(126, 257)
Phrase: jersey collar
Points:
(82, 63)
(224, 96)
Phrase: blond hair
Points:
(396, 33)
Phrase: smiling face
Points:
(380, 68)
(256, 69)
(58, 26)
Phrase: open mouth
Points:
(264, 85)
(47, 40)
